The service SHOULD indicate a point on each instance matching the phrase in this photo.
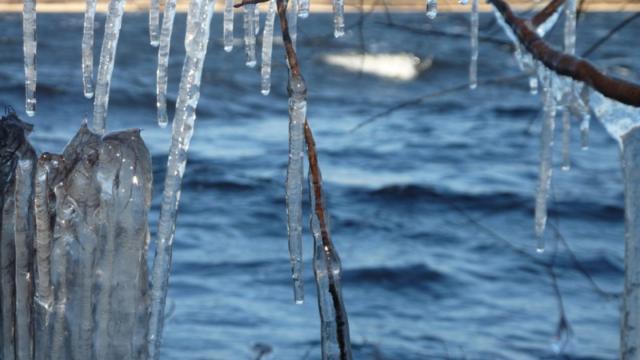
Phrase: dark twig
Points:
(547, 12)
(423, 98)
(248, 2)
(577, 68)
(611, 32)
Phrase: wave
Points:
(496, 201)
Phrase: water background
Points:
(431, 206)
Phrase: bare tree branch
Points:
(577, 68)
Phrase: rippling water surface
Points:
(432, 205)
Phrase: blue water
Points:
(431, 206)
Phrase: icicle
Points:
(546, 153)
(432, 9)
(297, 115)
(570, 27)
(463, 2)
(227, 25)
(30, 48)
(473, 66)
(548, 24)
(196, 40)
(533, 85)
(630, 318)
(249, 34)
(292, 19)
(24, 237)
(107, 57)
(338, 18)
(256, 19)
(267, 47)
(87, 48)
(327, 270)
(303, 8)
(163, 61)
(566, 140)
(154, 23)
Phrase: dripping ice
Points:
(196, 40)
(112, 27)
(164, 48)
(29, 47)
(293, 185)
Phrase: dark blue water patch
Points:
(418, 276)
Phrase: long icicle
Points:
(546, 153)
(338, 18)
(570, 88)
(249, 34)
(162, 74)
(227, 26)
(87, 48)
(566, 140)
(154, 23)
(196, 40)
(293, 186)
(473, 65)
(30, 48)
(24, 257)
(267, 49)
(336, 343)
(112, 27)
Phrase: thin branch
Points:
(248, 2)
(615, 29)
(577, 68)
(547, 12)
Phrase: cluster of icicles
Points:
(84, 250)
(66, 274)
(573, 99)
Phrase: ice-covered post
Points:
(17, 158)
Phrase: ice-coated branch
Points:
(334, 322)
(196, 40)
(112, 26)
(630, 317)
(87, 48)
(432, 9)
(326, 266)
(163, 61)
(30, 47)
(563, 64)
